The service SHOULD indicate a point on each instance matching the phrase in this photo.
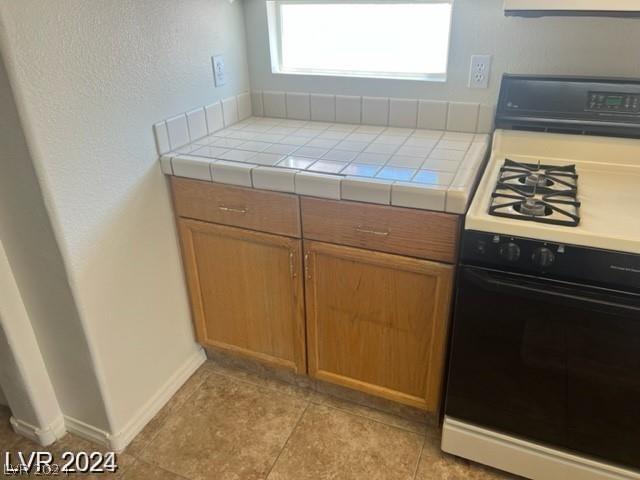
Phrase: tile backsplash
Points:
(380, 111)
(182, 129)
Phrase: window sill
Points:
(436, 78)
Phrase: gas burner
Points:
(538, 177)
(536, 180)
(533, 208)
(537, 204)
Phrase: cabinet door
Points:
(246, 292)
(377, 322)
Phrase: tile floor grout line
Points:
(417, 468)
(311, 391)
(284, 445)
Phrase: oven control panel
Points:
(512, 252)
(552, 260)
(613, 102)
(570, 105)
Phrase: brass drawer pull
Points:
(233, 210)
(372, 232)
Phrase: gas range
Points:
(546, 329)
(559, 171)
(588, 190)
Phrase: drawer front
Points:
(270, 212)
(415, 233)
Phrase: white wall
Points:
(32, 251)
(23, 376)
(588, 46)
(90, 78)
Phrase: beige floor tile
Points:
(367, 412)
(332, 444)
(153, 427)
(8, 437)
(228, 430)
(144, 471)
(437, 465)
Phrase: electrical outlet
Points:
(219, 74)
(480, 71)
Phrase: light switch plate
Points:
(480, 71)
(219, 73)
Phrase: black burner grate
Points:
(538, 193)
(550, 178)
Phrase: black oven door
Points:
(548, 361)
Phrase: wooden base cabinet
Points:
(367, 309)
(377, 322)
(246, 292)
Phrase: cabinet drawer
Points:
(270, 212)
(404, 231)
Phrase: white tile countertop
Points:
(406, 167)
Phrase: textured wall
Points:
(90, 78)
(27, 237)
(23, 376)
(587, 46)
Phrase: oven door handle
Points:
(566, 294)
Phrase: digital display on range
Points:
(613, 102)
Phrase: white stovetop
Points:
(608, 189)
(415, 168)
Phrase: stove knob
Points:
(543, 257)
(509, 251)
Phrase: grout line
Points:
(415, 471)
(310, 401)
(388, 113)
(286, 108)
(284, 446)
(446, 117)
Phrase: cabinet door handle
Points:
(242, 210)
(306, 266)
(371, 231)
(291, 263)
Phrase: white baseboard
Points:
(117, 442)
(524, 458)
(121, 439)
(86, 431)
(43, 436)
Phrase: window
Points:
(381, 39)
